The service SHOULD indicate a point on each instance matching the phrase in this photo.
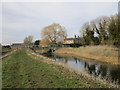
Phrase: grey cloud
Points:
(21, 19)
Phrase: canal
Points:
(96, 69)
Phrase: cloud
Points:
(0, 22)
(21, 19)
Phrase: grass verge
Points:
(22, 70)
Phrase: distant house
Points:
(15, 46)
(69, 41)
(77, 41)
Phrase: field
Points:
(106, 54)
(22, 69)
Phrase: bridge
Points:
(48, 49)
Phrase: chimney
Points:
(75, 36)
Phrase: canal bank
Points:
(86, 78)
(96, 69)
(104, 54)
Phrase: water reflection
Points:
(93, 68)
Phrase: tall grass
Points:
(100, 50)
(105, 53)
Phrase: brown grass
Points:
(107, 54)
(41, 50)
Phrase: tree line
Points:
(101, 31)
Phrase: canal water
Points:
(94, 68)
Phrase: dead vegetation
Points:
(106, 54)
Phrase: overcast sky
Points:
(20, 19)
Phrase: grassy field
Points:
(107, 54)
(25, 70)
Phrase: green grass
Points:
(22, 71)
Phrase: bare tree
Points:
(53, 34)
(28, 41)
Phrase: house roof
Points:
(14, 44)
(69, 38)
(74, 38)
